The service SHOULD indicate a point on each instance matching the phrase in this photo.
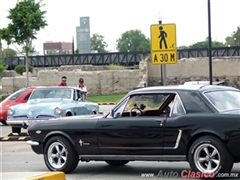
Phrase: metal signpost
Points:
(163, 45)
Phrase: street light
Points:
(159, 18)
(129, 47)
(235, 40)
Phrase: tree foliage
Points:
(234, 39)
(133, 40)
(8, 52)
(98, 43)
(2, 67)
(205, 44)
(20, 69)
(26, 19)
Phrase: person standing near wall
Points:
(63, 82)
(82, 87)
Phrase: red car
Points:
(20, 96)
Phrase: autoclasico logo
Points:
(191, 174)
(188, 174)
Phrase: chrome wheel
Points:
(207, 158)
(57, 155)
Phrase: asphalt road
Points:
(17, 161)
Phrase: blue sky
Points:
(111, 18)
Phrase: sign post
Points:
(163, 46)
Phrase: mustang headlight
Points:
(10, 111)
(58, 110)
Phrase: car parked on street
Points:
(18, 97)
(199, 124)
(49, 102)
(203, 83)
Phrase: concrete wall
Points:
(194, 69)
(99, 81)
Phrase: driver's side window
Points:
(141, 105)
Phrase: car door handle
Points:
(160, 121)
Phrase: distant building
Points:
(83, 36)
(57, 48)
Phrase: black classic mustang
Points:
(195, 123)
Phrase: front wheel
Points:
(59, 155)
(209, 155)
(117, 162)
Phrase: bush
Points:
(2, 67)
(22, 68)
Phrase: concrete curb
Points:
(49, 176)
(107, 103)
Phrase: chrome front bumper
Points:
(32, 143)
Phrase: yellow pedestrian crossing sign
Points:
(163, 44)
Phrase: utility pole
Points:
(209, 43)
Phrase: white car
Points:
(203, 83)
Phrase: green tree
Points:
(133, 40)
(26, 19)
(183, 47)
(8, 52)
(98, 43)
(2, 67)
(204, 44)
(52, 52)
(234, 39)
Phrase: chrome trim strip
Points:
(180, 100)
(131, 147)
(135, 157)
(177, 141)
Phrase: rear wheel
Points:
(117, 162)
(60, 155)
(209, 155)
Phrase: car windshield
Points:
(16, 94)
(224, 100)
(51, 93)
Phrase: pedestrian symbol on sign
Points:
(162, 36)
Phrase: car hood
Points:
(39, 105)
(63, 123)
(90, 116)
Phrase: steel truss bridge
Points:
(118, 58)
